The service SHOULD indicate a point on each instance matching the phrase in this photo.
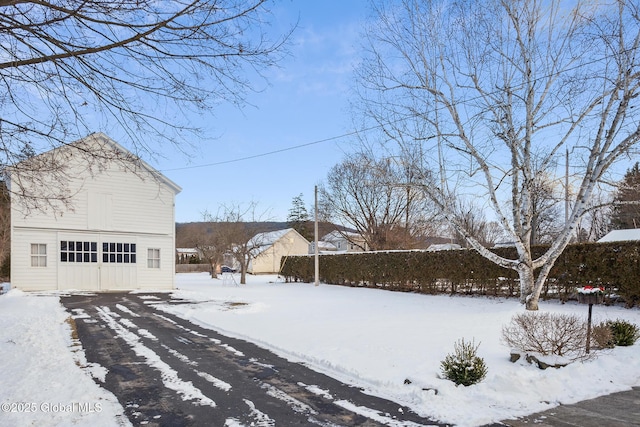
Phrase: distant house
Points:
(341, 241)
(632, 234)
(187, 255)
(505, 244)
(118, 233)
(323, 247)
(272, 247)
(443, 247)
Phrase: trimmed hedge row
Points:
(615, 266)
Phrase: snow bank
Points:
(41, 382)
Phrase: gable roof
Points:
(631, 234)
(117, 147)
(268, 238)
(263, 241)
(102, 140)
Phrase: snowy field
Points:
(370, 338)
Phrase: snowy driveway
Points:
(166, 371)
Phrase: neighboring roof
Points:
(187, 250)
(339, 235)
(269, 238)
(505, 245)
(443, 247)
(631, 234)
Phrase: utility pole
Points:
(315, 241)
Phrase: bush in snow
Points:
(464, 366)
(547, 334)
(602, 336)
(624, 333)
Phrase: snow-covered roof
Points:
(187, 250)
(268, 238)
(339, 235)
(263, 241)
(621, 235)
(505, 245)
(444, 247)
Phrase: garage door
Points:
(97, 262)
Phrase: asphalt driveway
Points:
(166, 371)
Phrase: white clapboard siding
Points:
(110, 204)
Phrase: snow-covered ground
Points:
(40, 381)
(370, 338)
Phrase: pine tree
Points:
(298, 218)
(626, 203)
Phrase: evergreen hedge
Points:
(614, 266)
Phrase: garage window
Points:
(38, 255)
(78, 251)
(153, 258)
(119, 253)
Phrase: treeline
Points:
(614, 266)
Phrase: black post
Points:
(589, 329)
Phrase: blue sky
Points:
(306, 102)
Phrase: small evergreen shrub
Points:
(624, 333)
(464, 366)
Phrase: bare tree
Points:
(595, 222)
(213, 242)
(546, 218)
(239, 233)
(372, 196)
(496, 94)
(69, 68)
(486, 232)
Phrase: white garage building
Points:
(118, 233)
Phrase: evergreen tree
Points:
(298, 218)
(626, 203)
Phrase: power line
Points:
(381, 125)
(268, 153)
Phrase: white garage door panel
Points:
(118, 277)
(78, 277)
(97, 262)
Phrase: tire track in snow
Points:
(251, 385)
(169, 376)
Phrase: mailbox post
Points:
(590, 295)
